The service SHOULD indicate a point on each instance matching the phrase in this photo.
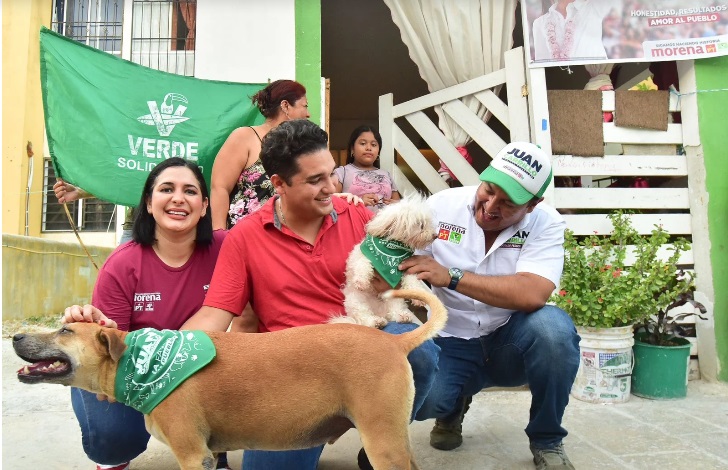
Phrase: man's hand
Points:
(426, 269)
(87, 314)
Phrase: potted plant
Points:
(661, 355)
(611, 282)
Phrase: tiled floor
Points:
(40, 431)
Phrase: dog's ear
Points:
(113, 343)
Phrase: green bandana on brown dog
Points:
(158, 361)
(385, 255)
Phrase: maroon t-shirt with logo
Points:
(137, 290)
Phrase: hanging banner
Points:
(573, 32)
(110, 121)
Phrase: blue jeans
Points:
(111, 433)
(540, 349)
(424, 367)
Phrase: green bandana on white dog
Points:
(385, 255)
(158, 361)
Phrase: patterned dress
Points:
(254, 188)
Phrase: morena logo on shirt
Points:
(450, 233)
(144, 302)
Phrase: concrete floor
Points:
(39, 431)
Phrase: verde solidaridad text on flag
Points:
(110, 121)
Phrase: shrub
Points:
(599, 290)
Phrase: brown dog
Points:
(291, 389)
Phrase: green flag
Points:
(110, 121)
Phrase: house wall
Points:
(271, 40)
(711, 75)
(245, 40)
(42, 277)
(22, 113)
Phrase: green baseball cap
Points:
(522, 170)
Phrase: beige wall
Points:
(42, 277)
(22, 111)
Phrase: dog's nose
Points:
(18, 337)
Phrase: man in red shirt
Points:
(288, 260)
(267, 256)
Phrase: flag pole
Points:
(73, 226)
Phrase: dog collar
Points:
(158, 361)
(385, 255)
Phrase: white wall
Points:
(248, 41)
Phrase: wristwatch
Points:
(455, 275)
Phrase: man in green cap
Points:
(497, 259)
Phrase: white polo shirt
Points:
(534, 245)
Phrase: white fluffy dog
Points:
(407, 222)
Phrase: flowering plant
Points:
(621, 278)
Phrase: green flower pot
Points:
(660, 372)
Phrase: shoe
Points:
(222, 462)
(448, 433)
(121, 466)
(554, 457)
(363, 461)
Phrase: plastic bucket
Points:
(605, 366)
(661, 372)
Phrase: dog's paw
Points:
(417, 303)
(379, 322)
(404, 317)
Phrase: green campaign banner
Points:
(110, 121)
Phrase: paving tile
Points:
(676, 460)
(40, 431)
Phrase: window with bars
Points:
(90, 215)
(163, 35)
(96, 23)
